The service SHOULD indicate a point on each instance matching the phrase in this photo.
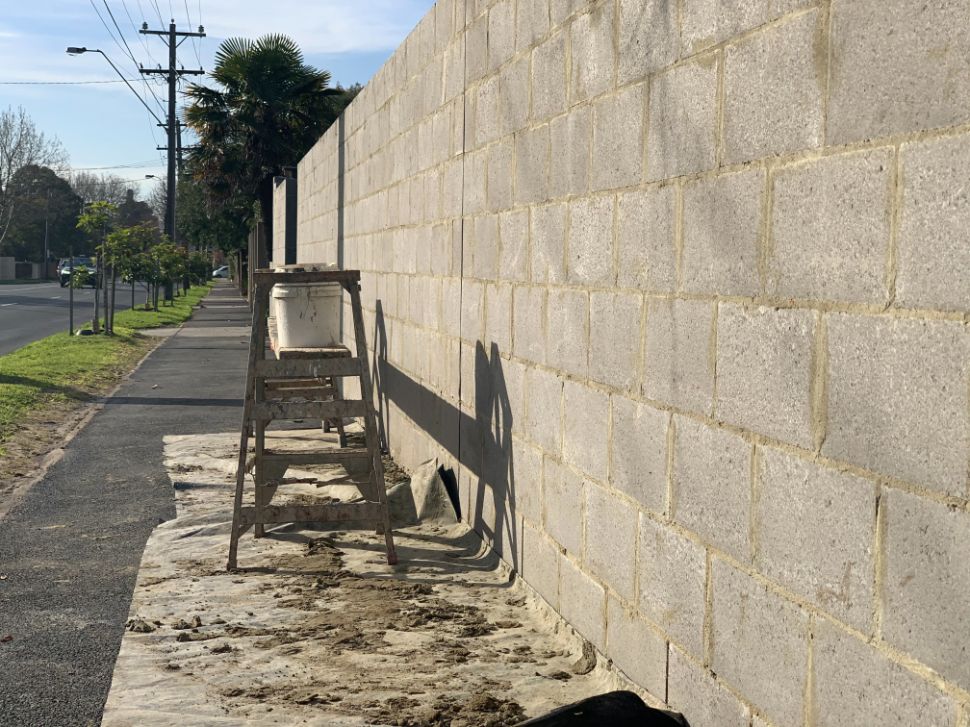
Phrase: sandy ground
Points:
(316, 629)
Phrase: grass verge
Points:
(42, 381)
(167, 315)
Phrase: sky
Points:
(103, 126)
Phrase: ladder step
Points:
(341, 512)
(313, 368)
(264, 411)
(326, 456)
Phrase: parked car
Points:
(66, 266)
(221, 272)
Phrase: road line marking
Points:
(4, 305)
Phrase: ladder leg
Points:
(370, 422)
(259, 473)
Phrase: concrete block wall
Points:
(680, 289)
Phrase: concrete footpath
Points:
(70, 550)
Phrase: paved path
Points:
(70, 549)
(33, 311)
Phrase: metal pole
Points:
(172, 144)
(70, 285)
(47, 214)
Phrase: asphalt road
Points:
(70, 549)
(36, 310)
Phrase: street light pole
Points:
(47, 257)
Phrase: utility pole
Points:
(172, 36)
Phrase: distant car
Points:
(67, 265)
(221, 272)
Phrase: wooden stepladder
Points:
(304, 387)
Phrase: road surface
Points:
(36, 310)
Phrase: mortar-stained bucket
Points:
(307, 314)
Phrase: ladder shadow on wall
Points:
(480, 440)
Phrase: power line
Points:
(158, 12)
(64, 83)
(120, 34)
(127, 165)
(110, 34)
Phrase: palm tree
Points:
(269, 108)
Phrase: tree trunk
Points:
(114, 296)
(96, 323)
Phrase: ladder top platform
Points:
(267, 276)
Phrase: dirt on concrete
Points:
(316, 629)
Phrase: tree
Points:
(120, 251)
(268, 111)
(99, 187)
(21, 145)
(95, 221)
(48, 207)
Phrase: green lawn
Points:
(62, 367)
(169, 315)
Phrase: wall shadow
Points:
(481, 440)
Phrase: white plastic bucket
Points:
(307, 314)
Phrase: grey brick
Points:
(487, 111)
(764, 371)
(525, 479)
(925, 608)
(476, 49)
(636, 648)
(760, 644)
(515, 83)
(848, 673)
(611, 540)
(694, 692)
(587, 417)
(897, 398)
(645, 239)
(548, 251)
(648, 37)
(498, 316)
(474, 182)
(501, 33)
(482, 248)
(678, 363)
(815, 529)
(572, 138)
(593, 55)
(549, 89)
(514, 232)
(543, 411)
(830, 228)
(562, 494)
(532, 162)
(897, 67)
(540, 564)
(934, 236)
(773, 91)
(499, 193)
(618, 139)
(615, 326)
(672, 583)
(590, 240)
(472, 310)
(683, 120)
(531, 22)
(712, 485)
(638, 459)
(707, 22)
(568, 347)
(559, 10)
(528, 317)
(583, 603)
